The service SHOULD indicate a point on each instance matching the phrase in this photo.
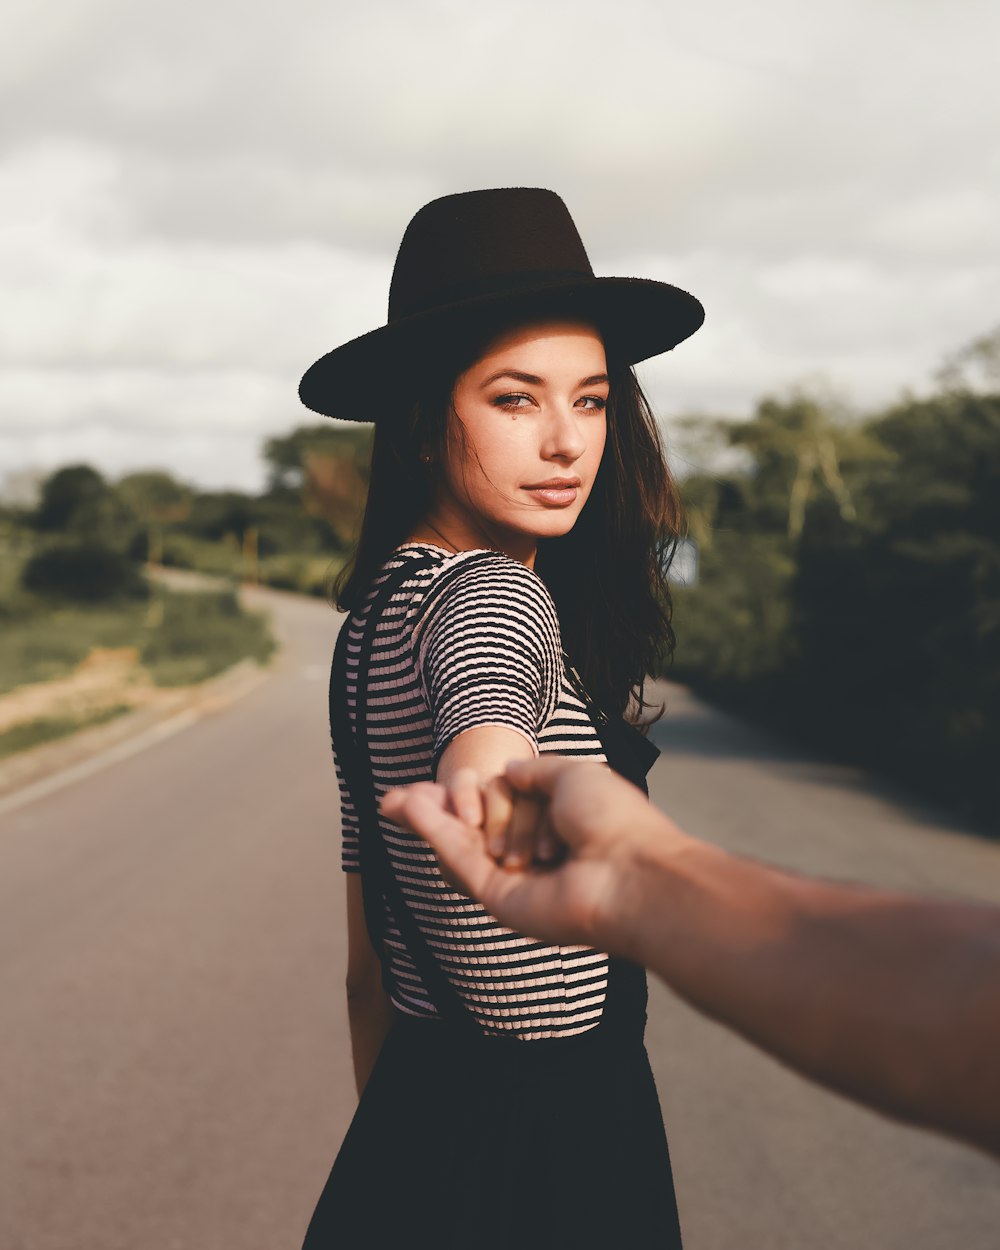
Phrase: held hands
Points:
(553, 848)
(515, 824)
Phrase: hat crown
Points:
(484, 242)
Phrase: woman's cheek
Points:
(502, 448)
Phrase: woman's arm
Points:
(472, 758)
(471, 768)
(369, 1010)
(490, 658)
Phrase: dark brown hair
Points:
(607, 576)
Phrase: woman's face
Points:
(532, 413)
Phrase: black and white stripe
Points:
(471, 640)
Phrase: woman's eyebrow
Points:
(532, 380)
(513, 373)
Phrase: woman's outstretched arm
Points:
(473, 759)
(891, 999)
(470, 759)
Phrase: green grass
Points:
(201, 633)
(182, 637)
(51, 641)
(302, 572)
(47, 729)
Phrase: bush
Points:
(84, 573)
(304, 574)
(185, 551)
(200, 634)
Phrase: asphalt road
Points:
(174, 1060)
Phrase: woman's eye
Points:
(518, 402)
(512, 402)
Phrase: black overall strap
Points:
(378, 880)
(628, 752)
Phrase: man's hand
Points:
(577, 815)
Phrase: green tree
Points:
(898, 622)
(850, 587)
(214, 514)
(327, 467)
(77, 500)
(797, 447)
(154, 496)
(974, 367)
(156, 501)
(287, 454)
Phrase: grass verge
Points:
(182, 637)
(34, 733)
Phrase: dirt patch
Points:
(108, 677)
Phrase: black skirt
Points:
(494, 1142)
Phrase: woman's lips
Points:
(554, 496)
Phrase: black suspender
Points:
(378, 881)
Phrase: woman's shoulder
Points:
(442, 561)
(487, 643)
(482, 581)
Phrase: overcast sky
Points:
(198, 199)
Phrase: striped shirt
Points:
(471, 640)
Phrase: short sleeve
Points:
(488, 649)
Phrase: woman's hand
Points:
(471, 758)
(516, 827)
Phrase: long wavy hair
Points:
(607, 576)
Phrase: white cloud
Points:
(946, 223)
(84, 289)
(198, 199)
(207, 426)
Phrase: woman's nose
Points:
(563, 436)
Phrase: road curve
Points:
(174, 1061)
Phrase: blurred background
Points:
(196, 201)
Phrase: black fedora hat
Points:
(486, 255)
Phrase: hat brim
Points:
(366, 379)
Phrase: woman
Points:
(519, 513)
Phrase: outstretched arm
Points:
(891, 999)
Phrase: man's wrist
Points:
(655, 878)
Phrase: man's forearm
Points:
(892, 999)
(887, 998)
